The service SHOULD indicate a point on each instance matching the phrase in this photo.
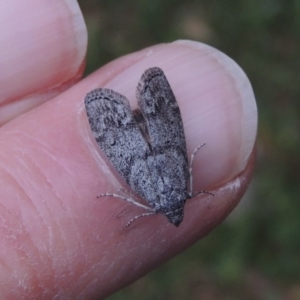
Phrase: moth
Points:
(146, 146)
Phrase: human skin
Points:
(57, 238)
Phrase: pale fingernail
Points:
(232, 107)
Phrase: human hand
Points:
(57, 238)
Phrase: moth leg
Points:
(140, 216)
(191, 167)
(201, 192)
(129, 193)
(126, 199)
(192, 194)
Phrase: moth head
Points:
(175, 216)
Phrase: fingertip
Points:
(59, 172)
(42, 47)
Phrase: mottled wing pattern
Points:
(116, 130)
(147, 146)
(161, 112)
(169, 169)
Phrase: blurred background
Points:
(254, 254)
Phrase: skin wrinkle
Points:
(62, 238)
(82, 281)
(50, 155)
(79, 242)
(80, 277)
(107, 270)
(84, 291)
(32, 247)
(6, 229)
(30, 259)
(29, 255)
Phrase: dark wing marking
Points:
(115, 130)
(161, 112)
(168, 164)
